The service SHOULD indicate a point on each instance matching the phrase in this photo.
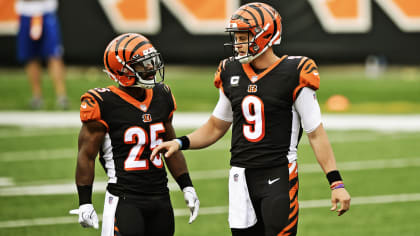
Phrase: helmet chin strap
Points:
(142, 83)
(248, 58)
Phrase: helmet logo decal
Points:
(233, 25)
(149, 51)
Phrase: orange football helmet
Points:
(131, 60)
(262, 22)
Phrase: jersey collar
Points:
(253, 77)
(126, 97)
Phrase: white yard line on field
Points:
(365, 165)
(43, 154)
(37, 132)
(100, 186)
(71, 153)
(5, 181)
(380, 199)
(194, 120)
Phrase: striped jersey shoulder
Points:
(223, 66)
(90, 104)
(308, 73)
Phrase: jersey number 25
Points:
(133, 161)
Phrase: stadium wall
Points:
(191, 32)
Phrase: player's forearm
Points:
(85, 171)
(322, 149)
(177, 165)
(208, 134)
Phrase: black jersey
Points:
(266, 128)
(134, 128)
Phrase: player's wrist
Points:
(85, 194)
(184, 180)
(334, 176)
(337, 185)
(184, 142)
(179, 143)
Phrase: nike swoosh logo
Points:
(83, 106)
(273, 181)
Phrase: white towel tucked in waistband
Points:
(241, 212)
(108, 217)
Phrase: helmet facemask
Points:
(143, 69)
(252, 47)
(132, 61)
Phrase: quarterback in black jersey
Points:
(269, 101)
(124, 124)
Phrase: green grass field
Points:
(380, 169)
(395, 91)
(50, 158)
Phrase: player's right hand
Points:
(87, 216)
(169, 146)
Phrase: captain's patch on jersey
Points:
(234, 81)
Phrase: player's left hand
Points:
(167, 148)
(87, 216)
(191, 199)
(340, 195)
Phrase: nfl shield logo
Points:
(110, 200)
(235, 177)
(254, 78)
(143, 107)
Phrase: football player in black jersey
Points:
(124, 124)
(268, 100)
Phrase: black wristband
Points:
(185, 142)
(85, 194)
(184, 180)
(333, 176)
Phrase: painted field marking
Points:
(71, 153)
(410, 123)
(100, 186)
(379, 199)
